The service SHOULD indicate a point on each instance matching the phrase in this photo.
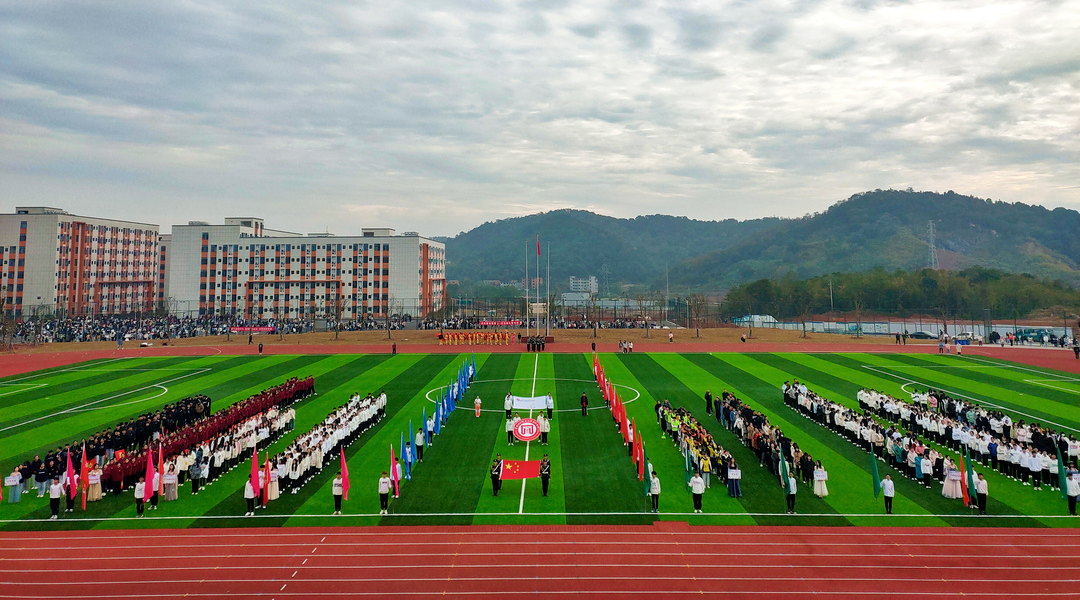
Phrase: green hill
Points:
(583, 243)
(882, 228)
(888, 228)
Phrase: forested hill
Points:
(889, 229)
(874, 229)
(583, 243)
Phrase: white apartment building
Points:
(54, 262)
(241, 268)
(587, 285)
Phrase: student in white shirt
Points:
(792, 487)
(981, 489)
(140, 494)
(1072, 488)
(249, 495)
(697, 488)
(384, 493)
(337, 489)
(888, 489)
(654, 492)
(56, 491)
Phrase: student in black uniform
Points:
(708, 402)
(584, 404)
(545, 473)
(496, 475)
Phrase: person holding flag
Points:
(420, 445)
(545, 473)
(384, 493)
(496, 475)
(981, 491)
(888, 489)
(395, 470)
(84, 474)
(140, 496)
(71, 485)
(338, 490)
(476, 405)
(249, 496)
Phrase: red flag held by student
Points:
(148, 488)
(83, 476)
(344, 477)
(160, 470)
(520, 469)
(641, 459)
(963, 483)
(538, 244)
(255, 474)
(70, 477)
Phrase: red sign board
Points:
(252, 329)
(511, 323)
(527, 430)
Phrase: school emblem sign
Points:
(527, 430)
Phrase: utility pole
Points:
(932, 261)
(832, 306)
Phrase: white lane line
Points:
(32, 386)
(120, 395)
(521, 503)
(281, 590)
(796, 517)
(652, 593)
(556, 578)
(69, 369)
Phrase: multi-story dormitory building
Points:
(55, 262)
(239, 268)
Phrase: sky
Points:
(436, 116)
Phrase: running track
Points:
(665, 560)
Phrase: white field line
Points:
(158, 385)
(55, 371)
(521, 503)
(32, 386)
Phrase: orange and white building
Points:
(242, 269)
(53, 262)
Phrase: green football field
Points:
(594, 480)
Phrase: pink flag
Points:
(70, 477)
(255, 474)
(148, 488)
(83, 476)
(393, 470)
(345, 476)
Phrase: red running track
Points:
(665, 560)
(18, 364)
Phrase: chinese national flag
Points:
(520, 469)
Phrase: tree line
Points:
(946, 294)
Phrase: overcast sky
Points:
(436, 116)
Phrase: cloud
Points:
(437, 116)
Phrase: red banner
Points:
(252, 329)
(520, 469)
(511, 323)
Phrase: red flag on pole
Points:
(634, 450)
(70, 476)
(641, 459)
(148, 487)
(83, 476)
(393, 470)
(344, 477)
(266, 483)
(161, 470)
(255, 474)
(538, 244)
(963, 483)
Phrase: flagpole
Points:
(538, 283)
(547, 293)
(526, 282)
